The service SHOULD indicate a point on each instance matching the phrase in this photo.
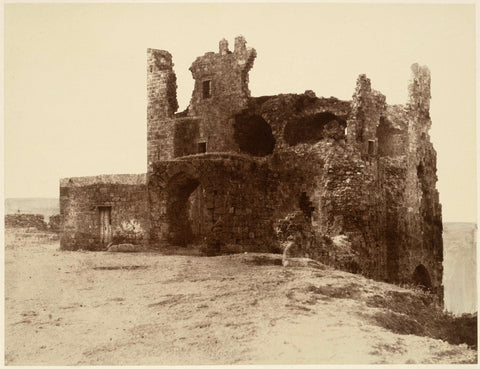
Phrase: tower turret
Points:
(162, 104)
(221, 91)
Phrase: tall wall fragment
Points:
(422, 199)
(162, 104)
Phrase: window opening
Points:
(207, 89)
(371, 147)
(202, 147)
(306, 205)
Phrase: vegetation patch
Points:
(418, 313)
(398, 323)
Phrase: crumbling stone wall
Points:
(186, 136)
(300, 118)
(424, 224)
(82, 198)
(25, 221)
(55, 223)
(392, 133)
(204, 188)
(325, 178)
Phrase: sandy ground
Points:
(98, 308)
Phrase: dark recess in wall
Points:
(253, 134)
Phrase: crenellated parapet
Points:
(222, 77)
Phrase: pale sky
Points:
(75, 77)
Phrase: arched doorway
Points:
(185, 210)
(421, 278)
(253, 135)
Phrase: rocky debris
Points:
(297, 237)
(341, 254)
(276, 259)
(25, 221)
(125, 247)
(304, 263)
(259, 258)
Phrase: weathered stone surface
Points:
(162, 104)
(354, 180)
(55, 223)
(81, 200)
(188, 195)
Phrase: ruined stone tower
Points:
(359, 174)
(162, 104)
(221, 90)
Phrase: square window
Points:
(371, 147)
(202, 147)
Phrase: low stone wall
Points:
(25, 221)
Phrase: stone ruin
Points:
(355, 178)
(24, 220)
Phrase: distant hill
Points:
(459, 267)
(33, 205)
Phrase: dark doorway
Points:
(207, 89)
(421, 278)
(186, 211)
(306, 205)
